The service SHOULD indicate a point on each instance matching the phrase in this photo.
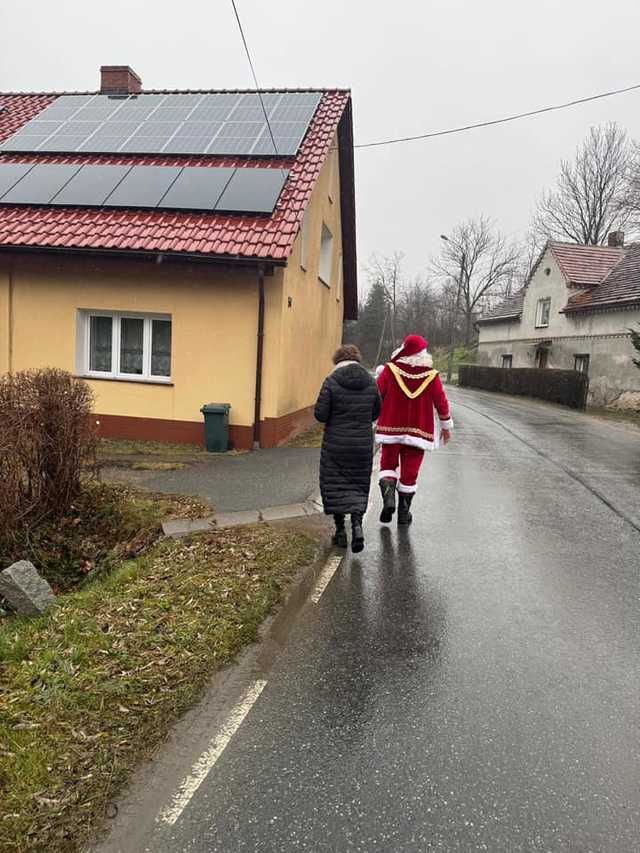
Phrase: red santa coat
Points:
(413, 400)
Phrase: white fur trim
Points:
(343, 364)
(408, 440)
(420, 359)
(448, 424)
(388, 475)
(407, 490)
(379, 369)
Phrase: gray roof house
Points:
(575, 312)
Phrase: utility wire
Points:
(253, 73)
(503, 120)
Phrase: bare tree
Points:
(633, 188)
(591, 194)
(479, 260)
(388, 273)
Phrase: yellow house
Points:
(179, 248)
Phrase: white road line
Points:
(331, 567)
(204, 764)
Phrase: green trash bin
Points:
(216, 426)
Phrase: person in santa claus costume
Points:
(415, 417)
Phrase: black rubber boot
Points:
(357, 534)
(388, 489)
(404, 506)
(340, 536)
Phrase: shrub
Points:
(567, 387)
(46, 438)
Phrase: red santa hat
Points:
(413, 344)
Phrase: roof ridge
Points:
(245, 91)
(583, 245)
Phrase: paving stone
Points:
(27, 593)
(235, 519)
(179, 527)
(275, 513)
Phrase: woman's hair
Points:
(348, 352)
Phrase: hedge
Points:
(567, 387)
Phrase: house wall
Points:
(613, 377)
(5, 313)
(312, 327)
(214, 328)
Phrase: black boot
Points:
(340, 536)
(357, 534)
(388, 489)
(404, 515)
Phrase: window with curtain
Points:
(122, 346)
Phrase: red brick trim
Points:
(274, 431)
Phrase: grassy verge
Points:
(91, 688)
(620, 415)
(310, 438)
(461, 355)
(105, 523)
(108, 448)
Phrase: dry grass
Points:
(90, 689)
(108, 448)
(103, 523)
(311, 438)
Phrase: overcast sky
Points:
(413, 67)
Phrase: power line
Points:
(503, 120)
(253, 73)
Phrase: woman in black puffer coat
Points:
(347, 405)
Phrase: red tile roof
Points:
(238, 236)
(510, 309)
(620, 289)
(585, 266)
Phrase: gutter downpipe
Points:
(259, 360)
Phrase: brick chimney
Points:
(119, 80)
(616, 239)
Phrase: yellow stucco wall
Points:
(214, 315)
(4, 318)
(312, 327)
(214, 327)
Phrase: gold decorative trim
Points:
(403, 430)
(411, 394)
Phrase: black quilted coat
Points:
(347, 405)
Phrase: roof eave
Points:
(348, 213)
(504, 319)
(155, 254)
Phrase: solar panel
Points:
(91, 185)
(40, 184)
(164, 187)
(158, 124)
(253, 190)
(197, 188)
(143, 186)
(10, 174)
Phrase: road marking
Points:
(331, 567)
(205, 763)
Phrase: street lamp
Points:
(454, 313)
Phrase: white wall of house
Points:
(602, 335)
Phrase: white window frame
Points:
(542, 303)
(584, 360)
(115, 372)
(325, 267)
(304, 240)
(507, 357)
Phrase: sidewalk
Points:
(235, 482)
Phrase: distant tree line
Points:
(477, 266)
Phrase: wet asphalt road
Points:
(470, 684)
